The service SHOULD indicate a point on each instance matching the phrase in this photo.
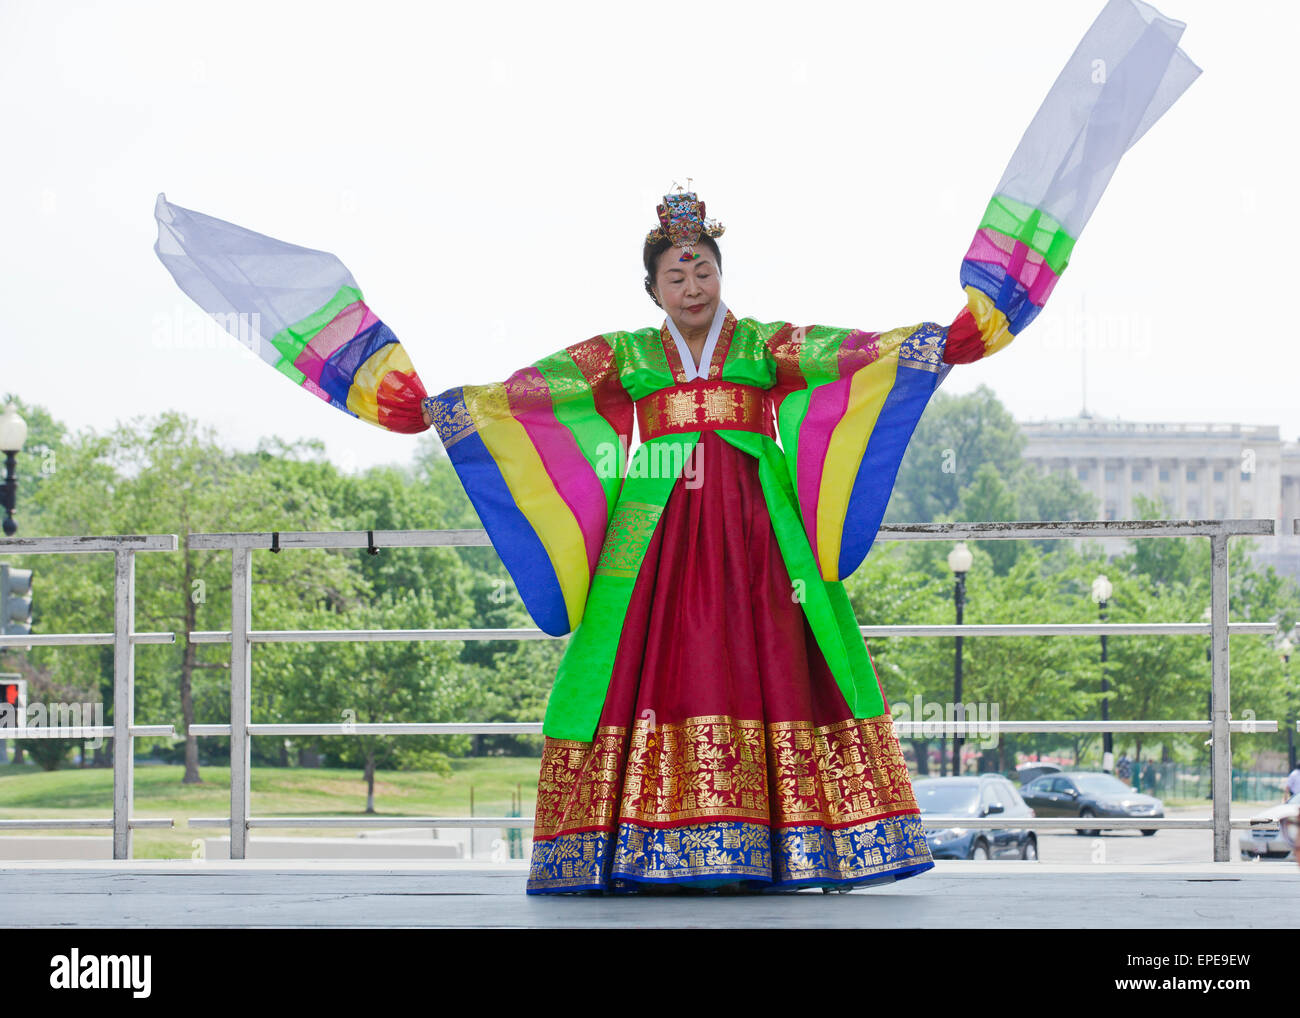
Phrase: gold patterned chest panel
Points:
(701, 405)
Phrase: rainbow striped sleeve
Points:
(846, 403)
(541, 456)
(299, 309)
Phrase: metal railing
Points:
(123, 731)
(242, 637)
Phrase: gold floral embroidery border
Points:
(781, 774)
(452, 419)
(631, 527)
(923, 347)
(729, 848)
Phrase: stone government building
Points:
(1199, 471)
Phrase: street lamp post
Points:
(1208, 616)
(13, 433)
(1284, 650)
(1101, 591)
(959, 561)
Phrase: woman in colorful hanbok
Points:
(716, 722)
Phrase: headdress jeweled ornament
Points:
(682, 220)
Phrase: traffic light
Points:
(15, 602)
(13, 700)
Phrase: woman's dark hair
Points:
(650, 258)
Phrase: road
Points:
(1130, 847)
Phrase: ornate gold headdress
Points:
(681, 221)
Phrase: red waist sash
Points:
(703, 405)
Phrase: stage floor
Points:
(275, 894)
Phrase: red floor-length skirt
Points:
(726, 755)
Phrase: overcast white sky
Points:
(488, 173)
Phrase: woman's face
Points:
(689, 291)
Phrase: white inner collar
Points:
(689, 366)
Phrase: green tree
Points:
(166, 475)
(889, 590)
(988, 499)
(1027, 677)
(1168, 580)
(391, 498)
(955, 436)
(369, 682)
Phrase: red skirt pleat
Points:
(713, 627)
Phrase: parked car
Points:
(1089, 794)
(1266, 841)
(1026, 772)
(985, 795)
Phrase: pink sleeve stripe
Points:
(1026, 265)
(827, 405)
(346, 325)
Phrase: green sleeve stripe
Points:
(293, 339)
(1032, 227)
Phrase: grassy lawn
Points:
(26, 792)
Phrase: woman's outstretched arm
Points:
(847, 401)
